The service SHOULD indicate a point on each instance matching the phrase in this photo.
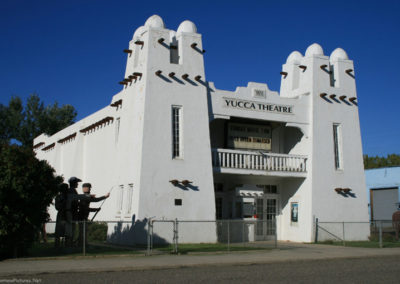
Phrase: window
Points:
(337, 146)
(174, 54)
(268, 189)
(248, 208)
(178, 202)
(177, 147)
(128, 204)
(117, 130)
(218, 208)
(119, 199)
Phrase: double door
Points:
(266, 211)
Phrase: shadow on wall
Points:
(290, 188)
(132, 233)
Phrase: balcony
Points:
(258, 163)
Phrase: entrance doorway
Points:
(266, 211)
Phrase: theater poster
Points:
(294, 212)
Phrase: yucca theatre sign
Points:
(256, 106)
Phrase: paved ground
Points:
(383, 269)
(286, 253)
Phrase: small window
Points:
(178, 202)
(174, 54)
(268, 189)
(248, 209)
(337, 146)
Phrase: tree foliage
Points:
(27, 187)
(390, 160)
(24, 123)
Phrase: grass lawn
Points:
(362, 244)
(208, 247)
(93, 249)
(98, 249)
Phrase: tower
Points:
(336, 172)
(166, 125)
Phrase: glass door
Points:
(266, 211)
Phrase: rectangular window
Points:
(120, 195)
(174, 54)
(128, 204)
(178, 202)
(268, 189)
(177, 147)
(337, 142)
(117, 123)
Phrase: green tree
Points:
(27, 187)
(24, 123)
(380, 162)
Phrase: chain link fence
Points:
(84, 238)
(151, 236)
(182, 236)
(380, 233)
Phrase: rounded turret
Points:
(187, 27)
(155, 21)
(338, 53)
(139, 32)
(294, 57)
(314, 49)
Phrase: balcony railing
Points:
(258, 161)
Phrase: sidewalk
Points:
(285, 252)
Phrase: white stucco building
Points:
(250, 154)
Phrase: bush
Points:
(97, 232)
(27, 187)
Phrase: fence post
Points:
(276, 233)
(148, 237)
(228, 236)
(344, 242)
(84, 237)
(316, 230)
(176, 235)
(243, 233)
(380, 234)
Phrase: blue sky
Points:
(71, 51)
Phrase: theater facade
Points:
(171, 145)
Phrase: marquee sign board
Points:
(249, 136)
(256, 106)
